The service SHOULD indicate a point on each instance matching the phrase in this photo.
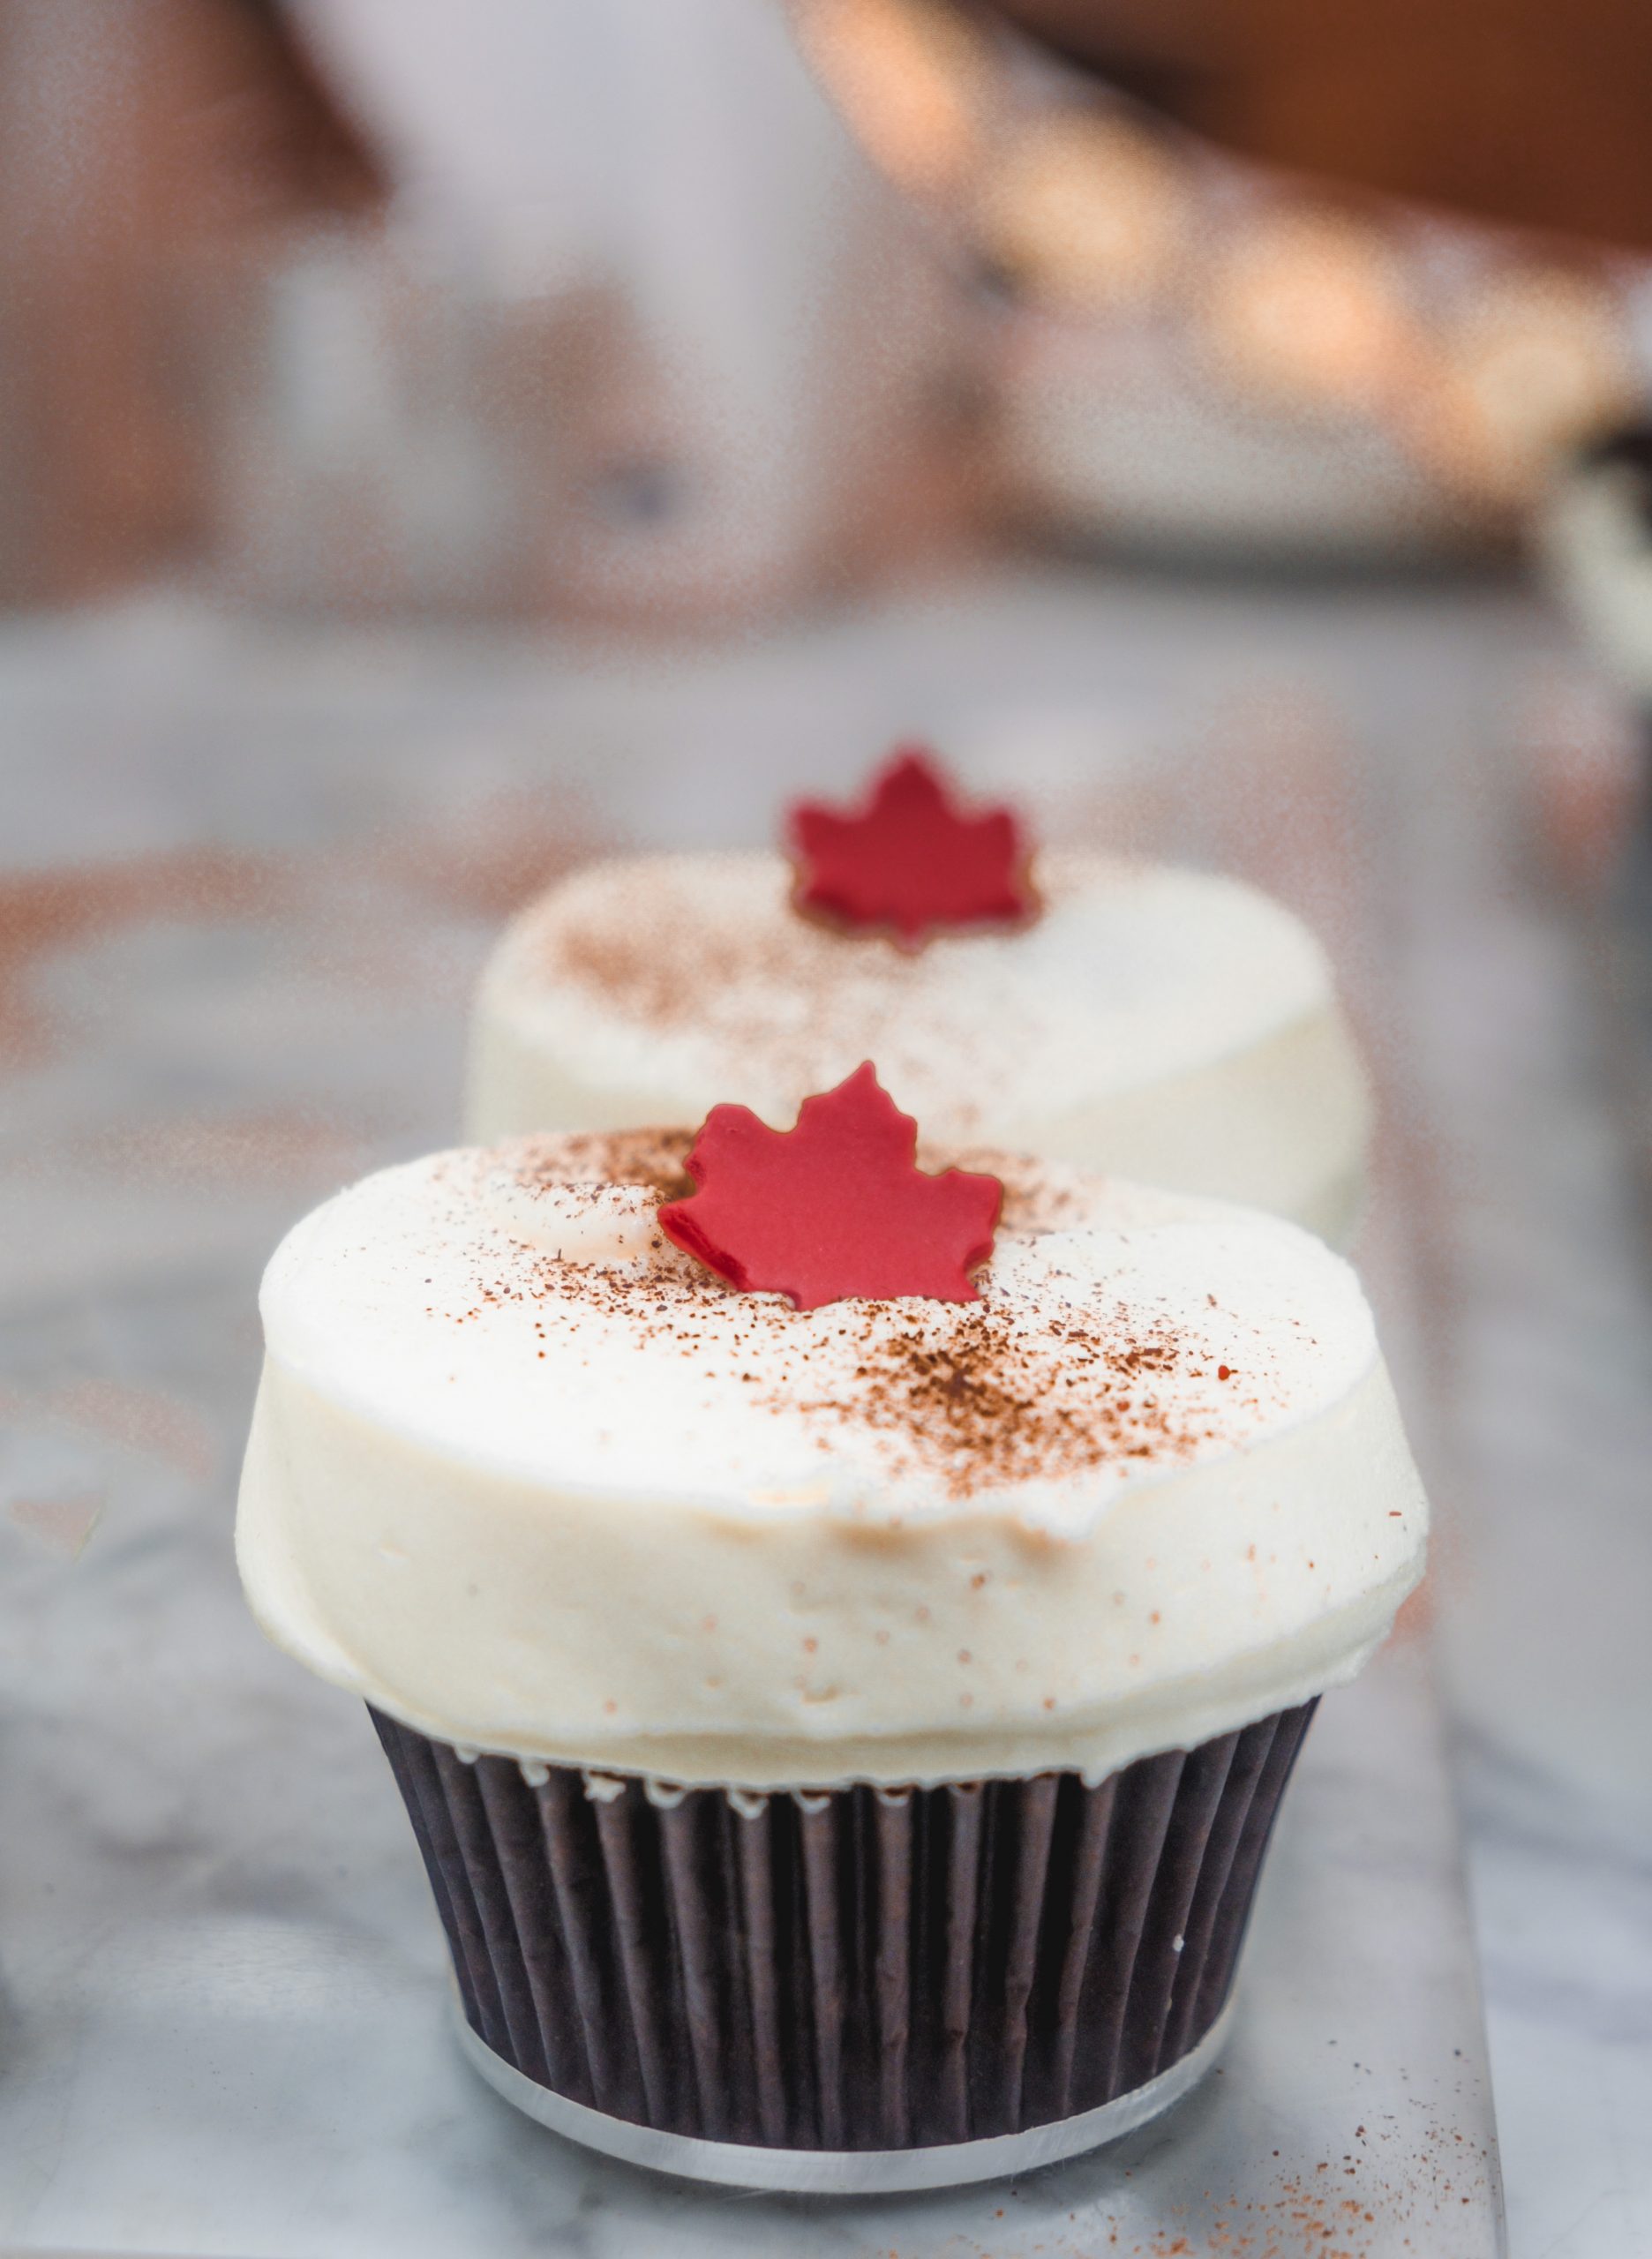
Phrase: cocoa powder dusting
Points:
(628, 967)
(990, 1400)
(653, 1158)
(710, 953)
(956, 1400)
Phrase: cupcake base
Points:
(844, 2173)
(847, 1975)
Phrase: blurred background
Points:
(547, 312)
(441, 439)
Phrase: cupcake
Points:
(841, 1623)
(1165, 1024)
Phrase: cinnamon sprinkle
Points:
(714, 955)
(596, 1158)
(985, 1403)
(953, 1399)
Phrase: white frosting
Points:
(531, 1480)
(1599, 551)
(1158, 1024)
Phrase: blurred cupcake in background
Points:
(1165, 1024)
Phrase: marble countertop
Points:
(172, 773)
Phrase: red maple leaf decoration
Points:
(911, 862)
(834, 1208)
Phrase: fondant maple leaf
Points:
(911, 862)
(834, 1208)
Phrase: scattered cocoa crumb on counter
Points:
(1400, 2202)
(43, 913)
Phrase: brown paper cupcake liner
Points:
(857, 1970)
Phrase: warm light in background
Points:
(1310, 309)
(1086, 210)
(911, 76)
(1532, 362)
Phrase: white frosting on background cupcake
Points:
(529, 1478)
(1159, 1023)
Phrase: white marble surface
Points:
(385, 783)
(1548, 1435)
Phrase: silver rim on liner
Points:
(844, 2171)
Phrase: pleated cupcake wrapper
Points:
(859, 1969)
